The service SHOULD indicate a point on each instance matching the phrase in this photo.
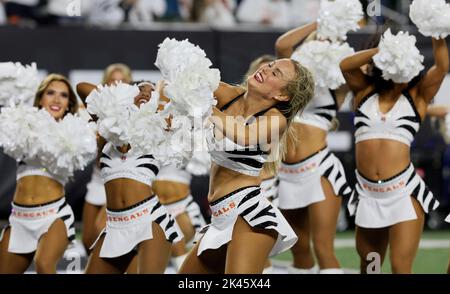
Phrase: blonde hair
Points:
(301, 91)
(73, 101)
(123, 68)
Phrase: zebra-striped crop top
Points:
(247, 160)
(115, 164)
(320, 111)
(401, 123)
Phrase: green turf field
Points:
(428, 260)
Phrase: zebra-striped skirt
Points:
(29, 223)
(192, 209)
(300, 183)
(384, 203)
(126, 228)
(249, 204)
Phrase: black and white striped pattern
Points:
(334, 171)
(401, 123)
(126, 228)
(162, 217)
(114, 165)
(300, 183)
(422, 193)
(412, 185)
(259, 214)
(320, 111)
(195, 214)
(257, 211)
(65, 213)
(29, 223)
(246, 160)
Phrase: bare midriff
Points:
(36, 190)
(169, 191)
(224, 181)
(122, 193)
(381, 159)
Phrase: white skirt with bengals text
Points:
(126, 228)
(300, 183)
(29, 223)
(388, 202)
(255, 209)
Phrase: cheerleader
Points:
(137, 223)
(390, 198)
(245, 227)
(41, 223)
(312, 179)
(269, 180)
(94, 210)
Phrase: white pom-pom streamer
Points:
(68, 145)
(174, 57)
(18, 83)
(323, 59)
(113, 105)
(398, 57)
(177, 149)
(432, 17)
(20, 130)
(337, 18)
(190, 80)
(146, 130)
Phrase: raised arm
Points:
(341, 93)
(351, 69)
(432, 80)
(84, 89)
(286, 43)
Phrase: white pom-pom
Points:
(177, 148)
(113, 105)
(323, 59)
(68, 145)
(193, 93)
(398, 58)
(174, 57)
(18, 83)
(146, 129)
(447, 219)
(432, 17)
(190, 80)
(337, 18)
(20, 130)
